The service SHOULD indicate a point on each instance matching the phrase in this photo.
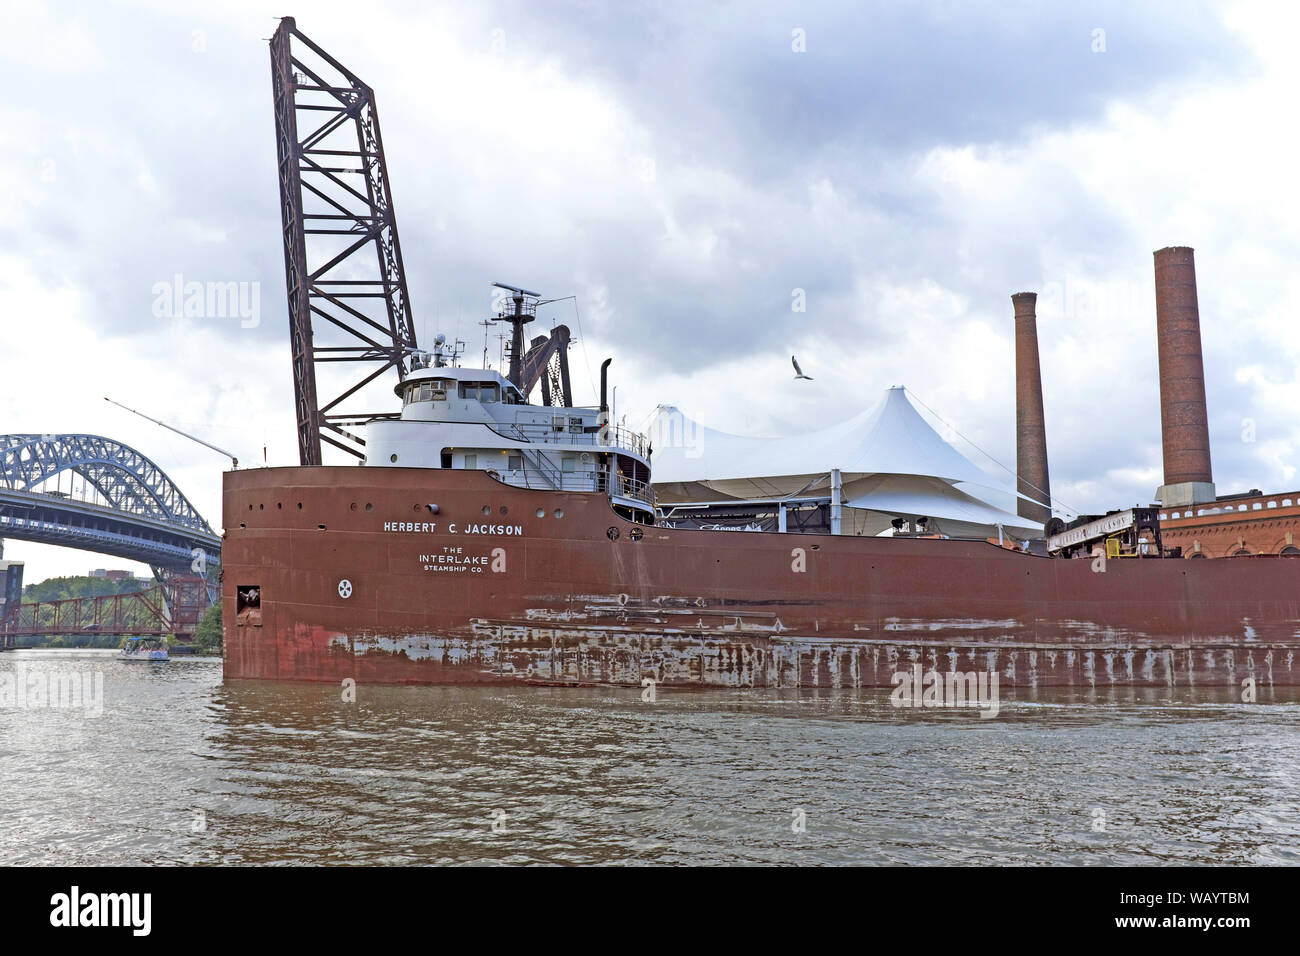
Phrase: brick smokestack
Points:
(1031, 432)
(1185, 431)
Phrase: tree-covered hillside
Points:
(79, 586)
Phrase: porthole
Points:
(487, 509)
(393, 457)
(279, 505)
(242, 525)
(353, 506)
(300, 506)
(415, 508)
(505, 510)
(261, 507)
(250, 506)
(369, 506)
(320, 527)
(559, 512)
(541, 512)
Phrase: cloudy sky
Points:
(682, 170)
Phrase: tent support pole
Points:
(836, 506)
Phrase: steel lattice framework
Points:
(172, 607)
(547, 362)
(126, 479)
(335, 204)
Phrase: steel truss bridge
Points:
(173, 607)
(129, 509)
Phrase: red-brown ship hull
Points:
(506, 585)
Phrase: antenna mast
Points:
(525, 311)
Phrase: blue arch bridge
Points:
(125, 506)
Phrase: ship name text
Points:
(427, 527)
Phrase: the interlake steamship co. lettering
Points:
(426, 527)
(460, 559)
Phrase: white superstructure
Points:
(469, 418)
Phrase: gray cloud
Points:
(163, 162)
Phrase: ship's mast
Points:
(546, 361)
(525, 304)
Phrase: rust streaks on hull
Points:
(503, 652)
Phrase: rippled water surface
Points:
(182, 767)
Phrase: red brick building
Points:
(1239, 525)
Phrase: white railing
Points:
(531, 477)
(611, 436)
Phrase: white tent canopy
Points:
(891, 461)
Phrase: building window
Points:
(471, 461)
(1291, 551)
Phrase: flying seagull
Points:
(798, 372)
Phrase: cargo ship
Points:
(489, 540)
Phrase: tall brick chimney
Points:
(1031, 432)
(1185, 431)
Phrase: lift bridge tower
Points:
(349, 310)
(346, 285)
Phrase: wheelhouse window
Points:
(431, 391)
(480, 391)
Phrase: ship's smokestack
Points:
(604, 379)
(1031, 431)
(1185, 431)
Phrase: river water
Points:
(178, 766)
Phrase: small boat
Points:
(144, 649)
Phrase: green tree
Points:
(207, 636)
